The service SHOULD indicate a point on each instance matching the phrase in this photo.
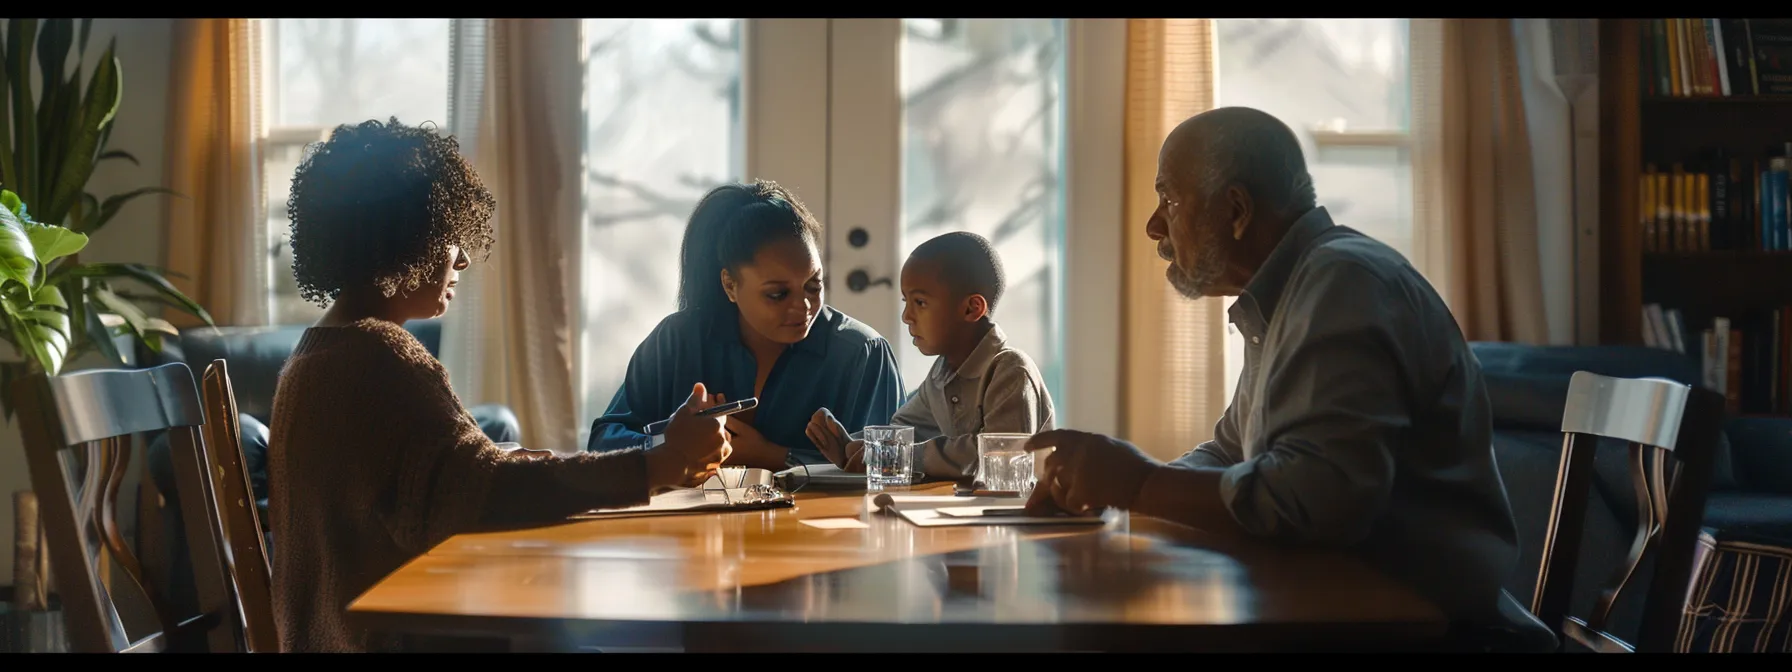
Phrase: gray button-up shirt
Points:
(1361, 420)
(998, 389)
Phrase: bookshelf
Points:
(1681, 213)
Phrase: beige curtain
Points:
(1173, 360)
(1474, 201)
(513, 342)
(216, 231)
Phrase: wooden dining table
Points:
(853, 579)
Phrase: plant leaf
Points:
(153, 278)
(96, 111)
(133, 316)
(47, 322)
(53, 43)
(41, 326)
(98, 333)
(17, 260)
(118, 154)
(110, 207)
(12, 203)
(21, 35)
(86, 30)
(50, 243)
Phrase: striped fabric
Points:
(1740, 599)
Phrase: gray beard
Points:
(1210, 262)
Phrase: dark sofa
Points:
(256, 355)
(1751, 491)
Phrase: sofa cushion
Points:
(1618, 361)
(1750, 517)
(257, 354)
(1763, 454)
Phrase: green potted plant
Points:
(53, 307)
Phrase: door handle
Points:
(859, 281)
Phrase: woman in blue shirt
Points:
(751, 323)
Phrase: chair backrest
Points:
(244, 555)
(78, 431)
(1660, 419)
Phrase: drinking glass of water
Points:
(1004, 464)
(889, 456)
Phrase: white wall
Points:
(145, 54)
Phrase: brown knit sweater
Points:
(373, 461)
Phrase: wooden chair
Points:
(1661, 419)
(78, 430)
(244, 554)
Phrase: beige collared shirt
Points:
(998, 389)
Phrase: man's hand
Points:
(829, 436)
(1087, 472)
(694, 448)
(751, 449)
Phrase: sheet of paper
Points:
(971, 511)
(835, 523)
(933, 518)
(952, 510)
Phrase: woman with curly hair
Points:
(373, 459)
(752, 323)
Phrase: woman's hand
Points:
(694, 449)
(830, 437)
(855, 457)
(751, 449)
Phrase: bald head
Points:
(1242, 146)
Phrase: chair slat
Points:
(1662, 418)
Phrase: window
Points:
(1343, 86)
(327, 72)
(983, 151)
(663, 126)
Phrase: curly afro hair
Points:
(378, 205)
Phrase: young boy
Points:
(979, 384)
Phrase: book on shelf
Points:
(1747, 357)
(1714, 200)
(1695, 58)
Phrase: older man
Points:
(1360, 419)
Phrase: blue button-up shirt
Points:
(843, 366)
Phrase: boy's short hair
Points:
(967, 264)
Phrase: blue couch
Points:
(1751, 491)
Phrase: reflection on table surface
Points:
(768, 567)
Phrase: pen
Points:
(729, 408)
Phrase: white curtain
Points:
(517, 91)
(462, 336)
(1546, 113)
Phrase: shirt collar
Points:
(724, 326)
(992, 343)
(1257, 303)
